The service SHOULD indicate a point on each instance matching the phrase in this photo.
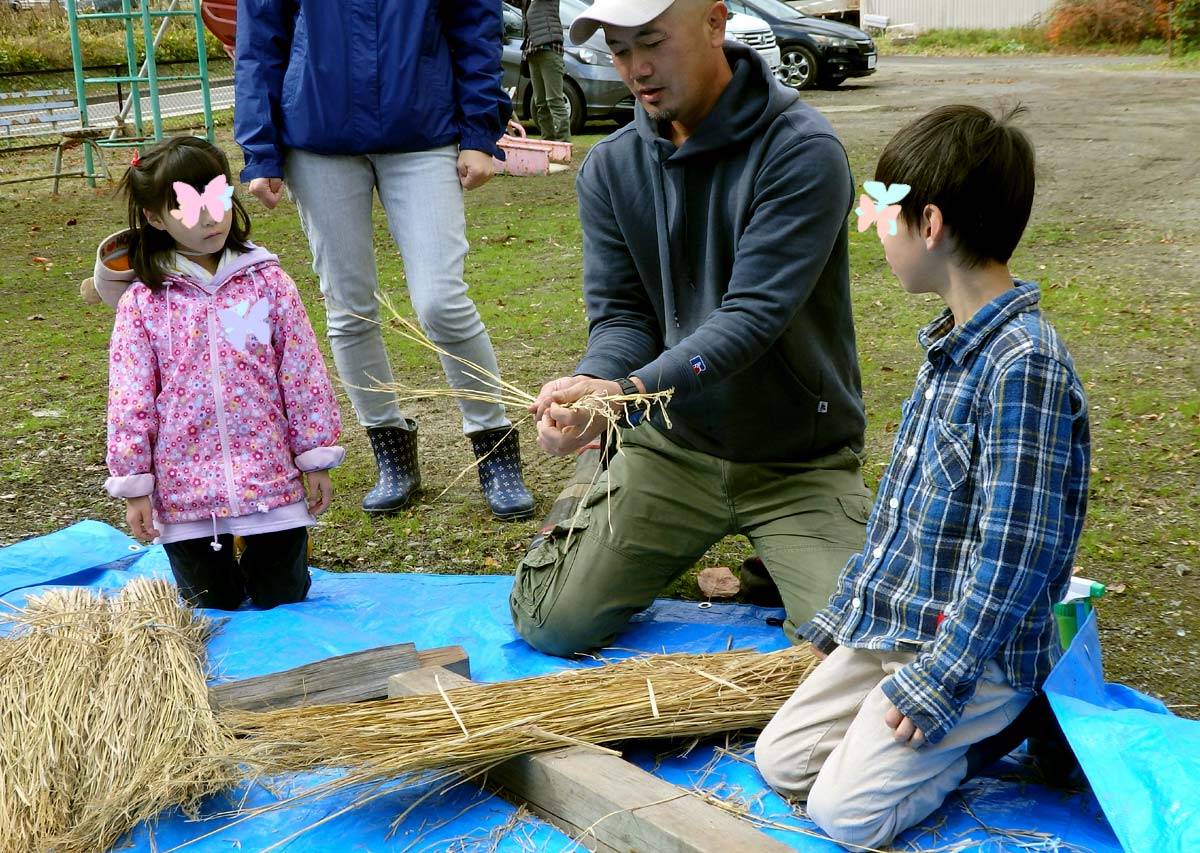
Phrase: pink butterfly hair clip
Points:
(216, 198)
(880, 208)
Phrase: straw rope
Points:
(411, 739)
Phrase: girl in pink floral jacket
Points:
(221, 418)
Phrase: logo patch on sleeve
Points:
(698, 365)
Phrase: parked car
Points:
(756, 33)
(814, 51)
(592, 85)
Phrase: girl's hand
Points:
(140, 518)
(903, 729)
(319, 487)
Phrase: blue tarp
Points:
(351, 612)
(1142, 761)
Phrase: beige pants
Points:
(829, 744)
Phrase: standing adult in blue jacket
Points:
(403, 98)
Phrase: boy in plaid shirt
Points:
(941, 630)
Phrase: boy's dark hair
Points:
(978, 170)
(147, 186)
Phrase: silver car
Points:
(593, 87)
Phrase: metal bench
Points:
(38, 113)
(48, 112)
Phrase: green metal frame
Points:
(136, 77)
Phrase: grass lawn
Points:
(1133, 337)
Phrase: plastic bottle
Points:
(1075, 606)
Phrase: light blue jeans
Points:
(423, 201)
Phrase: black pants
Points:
(273, 570)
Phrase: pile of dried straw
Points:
(104, 717)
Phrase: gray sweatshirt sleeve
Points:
(623, 330)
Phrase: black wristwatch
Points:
(632, 416)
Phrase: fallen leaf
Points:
(72, 221)
(490, 562)
(1117, 588)
(718, 582)
(36, 317)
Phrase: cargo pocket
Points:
(856, 507)
(949, 448)
(542, 575)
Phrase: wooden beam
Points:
(355, 677)
(604, 801)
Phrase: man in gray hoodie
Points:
(715, 263)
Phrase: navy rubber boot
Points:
(399, 477)
(499, 455)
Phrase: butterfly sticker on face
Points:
(244, 321)
(880, 208)
(217, 198)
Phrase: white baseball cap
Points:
(619, 13)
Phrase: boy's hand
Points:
(319, 487)
(903, 729)
(140, 518)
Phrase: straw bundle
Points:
(494, 389)
(470, 729)
(104, 717)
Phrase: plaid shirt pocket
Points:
(949, 450)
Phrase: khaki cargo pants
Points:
(657, 510)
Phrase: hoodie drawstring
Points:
(215, 544)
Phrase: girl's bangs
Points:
(192, 166)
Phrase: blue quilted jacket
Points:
(366, 76)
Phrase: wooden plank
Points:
(346, 678)
(453, 658)
(604, 800)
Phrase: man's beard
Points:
(664, 115)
